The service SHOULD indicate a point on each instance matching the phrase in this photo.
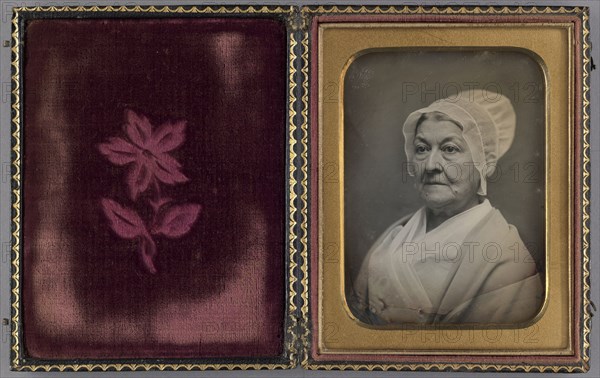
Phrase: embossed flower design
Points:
(146, 152)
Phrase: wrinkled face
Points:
(445, 172)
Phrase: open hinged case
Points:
(260, 187)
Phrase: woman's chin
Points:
(437, 198)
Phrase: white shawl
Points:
(473, 268)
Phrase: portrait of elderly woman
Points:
(444, 188)
(434, 265)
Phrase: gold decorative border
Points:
(305, 336)
(308, 363)
(449, 367)
(585, 194)
(420, 9)
(293, 279)
(16, 190)
(16, 349)
(251, 9)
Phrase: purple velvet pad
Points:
(154, 214)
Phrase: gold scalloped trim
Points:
(293, 279)
(16, 201)
(450, 367)
(16, 191)
(412, 9)
(162, 9)
(312, 365)
(304, 337)
(586, 190)
(148, 367)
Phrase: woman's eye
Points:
(420, 149)
(451, 149)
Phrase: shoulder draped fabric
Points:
(473, 268)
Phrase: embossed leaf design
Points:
(123, 221)
(138, 128)
(176, 220)
(118, 151)
(169, 136)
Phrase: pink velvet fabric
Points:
(211, 283)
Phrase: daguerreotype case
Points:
(264, 187)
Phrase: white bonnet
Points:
(488, 123)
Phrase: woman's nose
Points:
(433, 162)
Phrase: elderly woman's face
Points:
(446, 176)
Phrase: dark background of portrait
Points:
(381, 88)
